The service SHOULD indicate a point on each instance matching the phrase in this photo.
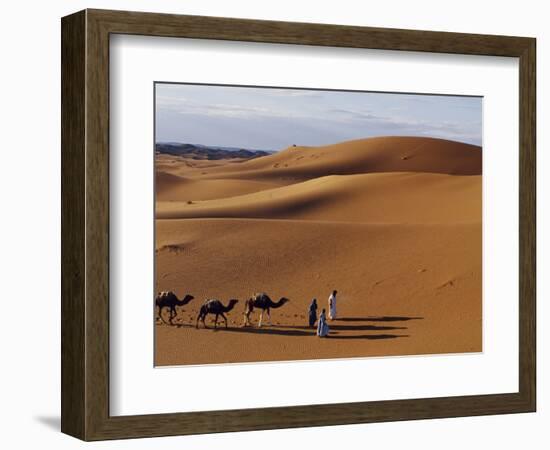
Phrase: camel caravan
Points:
(215, 307)
(260, 301)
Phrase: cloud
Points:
(312, 116)
(229, 110)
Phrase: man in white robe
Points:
(332, 305)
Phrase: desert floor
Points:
(394, 224)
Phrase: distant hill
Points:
(196, 151)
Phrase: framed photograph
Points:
(273, 225)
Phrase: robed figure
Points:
(322, 326)
(312, 313)
(332, 305)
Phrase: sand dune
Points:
(384, 154)
(432, 272)
(367, 198)
(393, 223)
(170, 187)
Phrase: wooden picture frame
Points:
(85, 224)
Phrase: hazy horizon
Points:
(276, 118)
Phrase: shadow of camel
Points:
(378, 319)
(369, 336)
(265, 330)
(334, 325)
(298, 331)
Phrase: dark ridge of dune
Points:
(165, 181)
(409, 197)
(380, 154)
(172, 188)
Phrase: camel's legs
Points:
(261, 317)
(160, 315)
(216, 321)
(224, 318)
(269, 316)
(199, 318)
(172, 314)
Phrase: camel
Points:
(170, 300)
(263, 302)
(214, 306)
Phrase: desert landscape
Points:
(394, 223)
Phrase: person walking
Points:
(322, 326)
(332, 305)
(312, 313)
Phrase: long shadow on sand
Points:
(337, 327)
(334, 324)
(304, 331)
(378, 319)
(269, 331)
(368, 336)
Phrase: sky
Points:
(273, 118)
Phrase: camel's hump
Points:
(165, 293)
(211, 300)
